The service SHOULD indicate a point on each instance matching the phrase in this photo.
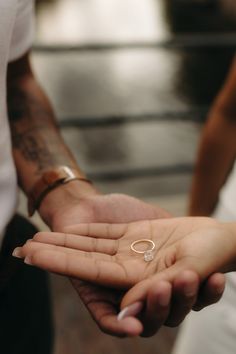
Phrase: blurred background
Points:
(131, 82)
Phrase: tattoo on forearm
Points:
(24, 106)
(34, 150)
(34, 130)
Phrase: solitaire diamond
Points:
(148, 256)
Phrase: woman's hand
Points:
(104, 256)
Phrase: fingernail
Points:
(27, 260)
(131, 310)
(17, 252)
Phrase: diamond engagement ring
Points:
(148, 253)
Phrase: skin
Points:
(104, 303)
(217, 150)
(100, 253)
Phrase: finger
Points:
(98, 230)
(102, 304)
(132, 310)
(103, 272)
(137, 293)
(211, 291)
(32, 247)
(130, 326)
(184, 295)
(140, 290)
(157, 308)
(88, 244)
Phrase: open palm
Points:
(105, 257)
(104, 303)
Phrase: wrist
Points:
(50, 180)
(64, 197)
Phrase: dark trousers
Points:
(25, 311)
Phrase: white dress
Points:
(213, 330)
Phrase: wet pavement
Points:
(131, 83)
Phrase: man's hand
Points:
(102, 303)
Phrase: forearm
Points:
(36, 139)
(37, 143)
(217, 149)
(215, 159)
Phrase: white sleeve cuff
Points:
(23, 33)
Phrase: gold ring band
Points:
(148, 254)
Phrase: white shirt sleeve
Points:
(23, 32)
